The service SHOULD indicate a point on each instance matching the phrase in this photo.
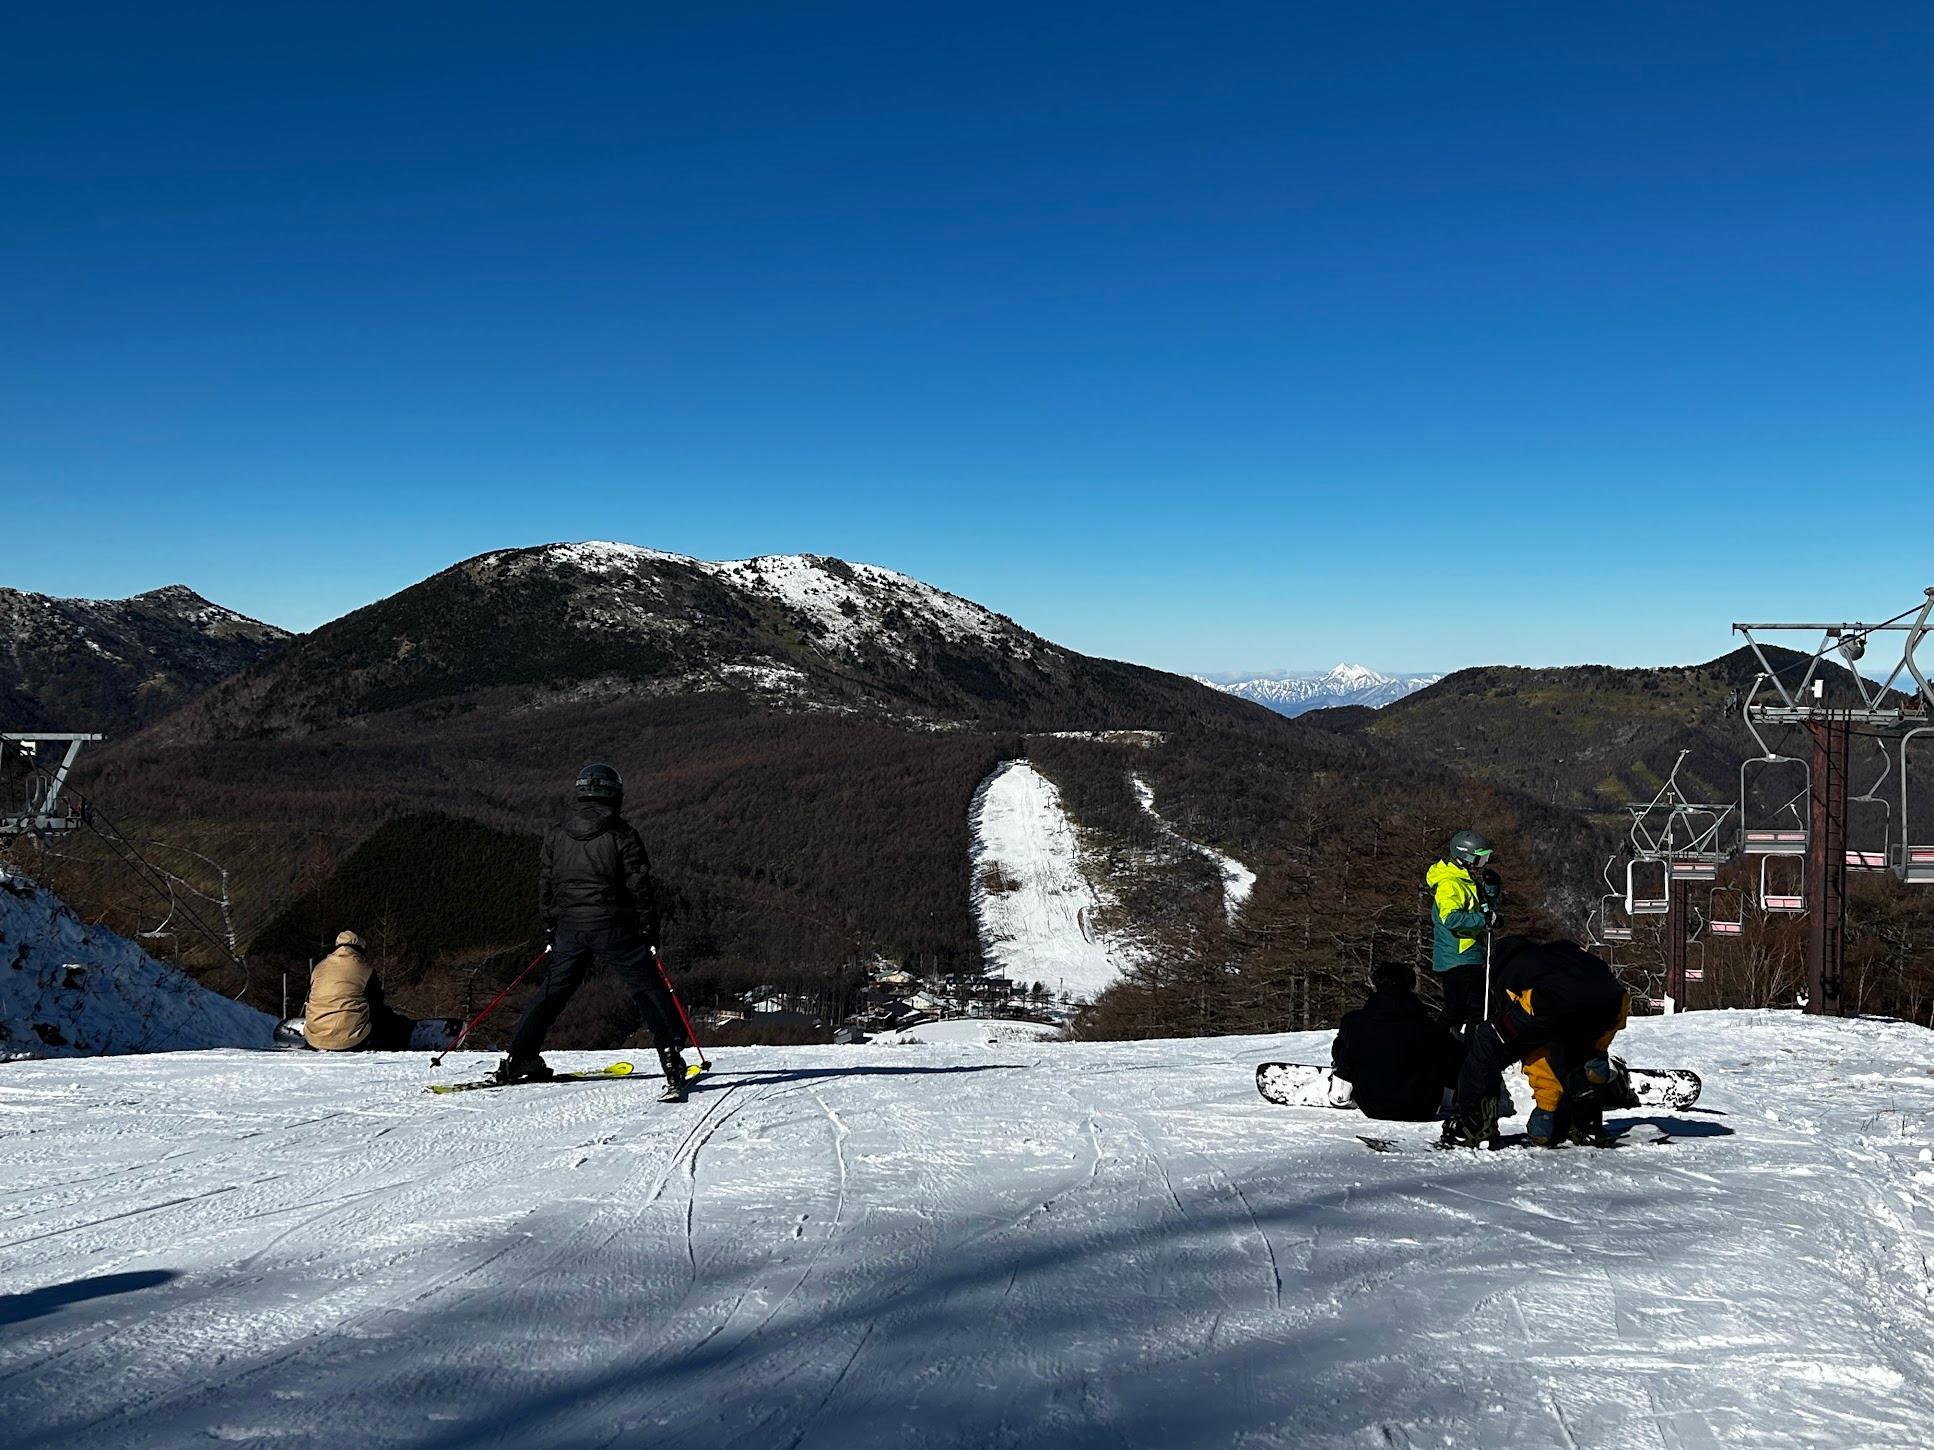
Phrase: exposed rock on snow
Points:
(1035, 907)
(1055, 1245)
(68, 989)
(1237, 879)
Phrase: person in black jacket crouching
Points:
(1397, 1058)
(595, 892)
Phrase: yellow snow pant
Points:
(1546, 1086)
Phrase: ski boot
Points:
(674, 1066)
(1587, 1129)
(521, 1069)
(1475, 1127)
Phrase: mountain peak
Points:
(1346, 684)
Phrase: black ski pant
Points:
(388, 1032)
(621, 949)
(1464, 1004)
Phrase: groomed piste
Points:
(965, 1245)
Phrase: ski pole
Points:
(666, 977)
(1487, 974)
(471, 1025)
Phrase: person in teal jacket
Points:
(1464, 896)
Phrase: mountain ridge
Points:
(606, 622)
(1342, 686)
(112, 665)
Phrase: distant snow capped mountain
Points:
(1345, 685)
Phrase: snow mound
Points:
(1035, 908)
(68, 989)
(1067, 1244)
(970, 1031)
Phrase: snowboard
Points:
(597, 1074)
(1303, 1085)
(431, 1034)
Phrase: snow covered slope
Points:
(1237, 879)
(1035, 907)
(1344, 685)
(1057, 1245)
(71, 989)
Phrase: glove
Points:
(550, 934)
(1491, 915)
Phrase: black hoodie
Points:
(593, 874)
(1396, 1056)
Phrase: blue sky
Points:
(1212, 337)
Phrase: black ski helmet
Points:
(1468, 848)
(600, 782)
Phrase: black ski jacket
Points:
(1396, 1056)
(593, 874)
(1559, 985)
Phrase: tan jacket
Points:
(338, 1016)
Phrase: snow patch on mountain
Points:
(844, 607)
(70, 989)
(852, 605)
(1238, 881)
(1346, 684)
(1035, 906)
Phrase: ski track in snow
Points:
(960, 1246)
(1043, 930)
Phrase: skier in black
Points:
(1559, 1007)
(595, 892)
(1396, 1057)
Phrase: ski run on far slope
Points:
(1035, 906)
(956, 1247)
(1237, 879)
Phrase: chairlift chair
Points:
(1772, 898)
(1611, 929)
(1774, 836)
(1915, 861)
(1727, 919)
(1648, 898)
(1686, 869)
(1863, 857)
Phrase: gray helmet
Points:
(600, 783)
(1468, 848)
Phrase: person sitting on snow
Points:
(1397, 1058)
(1465, 894)
(1559, 1008)
(346, 1011)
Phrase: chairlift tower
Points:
(40, 811)
(1897, 708)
